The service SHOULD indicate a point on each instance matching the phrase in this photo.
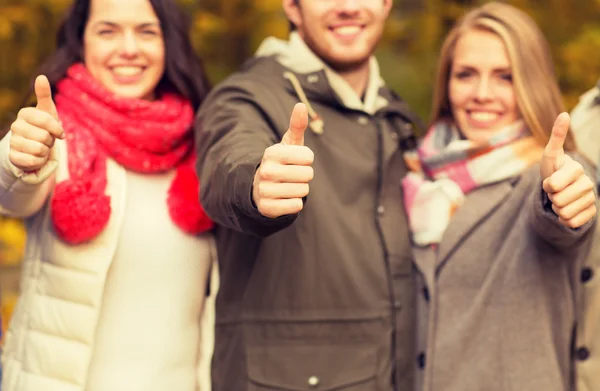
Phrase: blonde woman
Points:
(501, 214)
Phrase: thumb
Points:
(43, 94)
(554, 151)
(298, 124)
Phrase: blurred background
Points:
(226, 32)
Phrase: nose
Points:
(349, 6)
(483, 90)
(129, 45)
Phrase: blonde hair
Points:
(537, 93)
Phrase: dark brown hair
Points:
(184, 72)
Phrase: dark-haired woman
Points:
(119, 249)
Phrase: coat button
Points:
(421, 360)
(313, 381)
(582, 353)
(380, 210)
(586, 274)
(363, 120)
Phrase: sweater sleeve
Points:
(23, 194)
(232, 132)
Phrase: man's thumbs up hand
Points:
(281, 180)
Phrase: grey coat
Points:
(498, 299)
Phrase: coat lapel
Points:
(482, 202)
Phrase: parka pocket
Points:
(307, 368)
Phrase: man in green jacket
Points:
(313, 244)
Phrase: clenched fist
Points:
(281, 180)
(565, 181)
(35, 130)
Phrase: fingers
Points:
(572, 194)
(289, 154)
(42, 120)
(25, 161)
(576, 190)
(567, 174)
(569, 210)
(581, 218)
(32, 136)
(270, 190)
(281, 180)
(274, 208)
(43, 94)
(298, 124)
(285, 174)
(30, 147)
(24, 129)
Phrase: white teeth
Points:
(127, 71)
(347, 30)
(484, 117)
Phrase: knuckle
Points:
(24, 112)
(295, 206)
(558, 201)
(310, 155)
(588, 184)
(578, 168)
(305, 190)
(574, 223)
(267, 172)
(13, 157)
(41, 150)
(31, 161)
(271, 152)
(17, 126)
(46, 120)
(310, 174)
(262, 191)
(48, 140)
(263, 206)
(566, 214)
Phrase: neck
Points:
(357, 78)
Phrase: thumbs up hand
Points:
(281, 180)
(35, 130)
(565, 181)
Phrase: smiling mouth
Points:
(127, 71)
(483, 116)
(347, 31)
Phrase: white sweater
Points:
(120, 313)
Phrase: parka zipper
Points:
(392, 297)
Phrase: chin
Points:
(131, 93)
(348, 63)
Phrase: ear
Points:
(387, 5)
(292, 11)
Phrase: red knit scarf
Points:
(143, 136)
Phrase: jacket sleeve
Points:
(545, 222)
(232, 132)
(23, 194)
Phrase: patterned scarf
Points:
(143, 136)
(444, 168)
